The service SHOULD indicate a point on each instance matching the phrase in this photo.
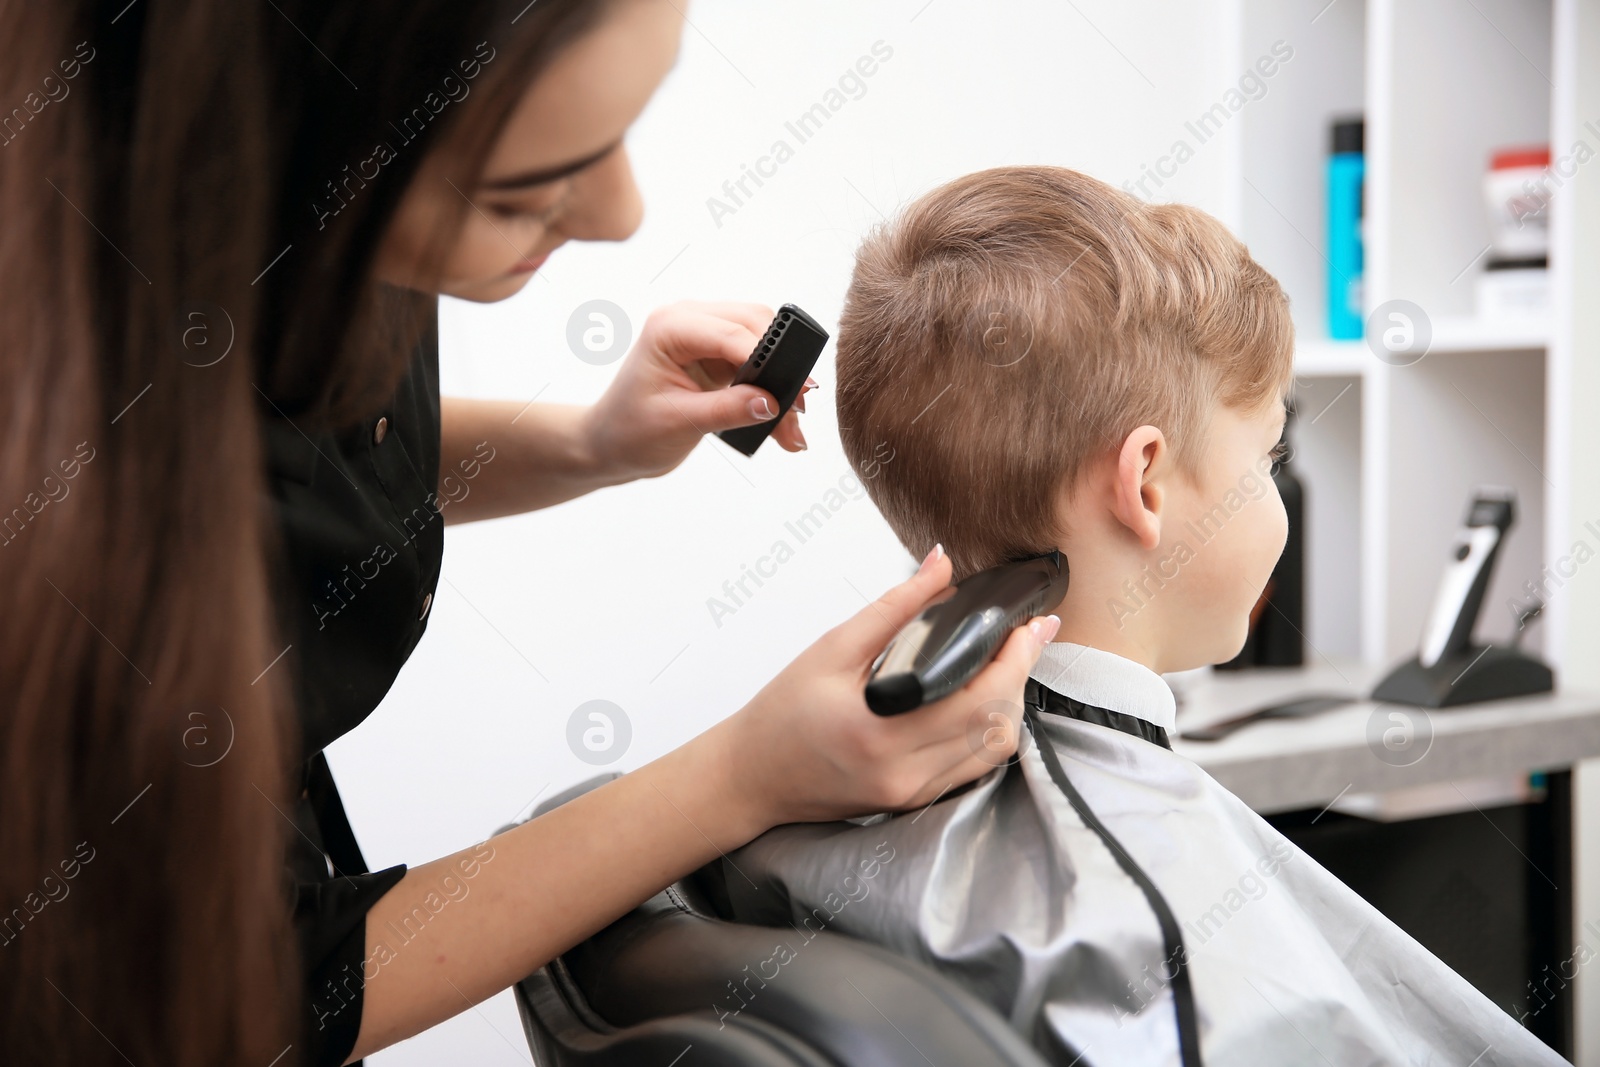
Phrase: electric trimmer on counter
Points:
(1449, 669)
(944, 647)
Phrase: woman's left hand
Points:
(672, 390)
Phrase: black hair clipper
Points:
(780, 364)
(940, 650)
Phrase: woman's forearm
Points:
(460, 929)
(500, 457)
(804, 748)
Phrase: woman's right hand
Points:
(808, 749)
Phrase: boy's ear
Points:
(1136, 494)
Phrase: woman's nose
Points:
(606, 205)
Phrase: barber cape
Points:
(1121, 908)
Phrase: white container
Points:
(1510, 292)
(1517, 193)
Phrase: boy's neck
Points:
(1124, 644)
(1095, 611)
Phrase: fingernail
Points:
(931, 558)
(800, 403)
(760, 409)
(1044, 630)
(811, 383)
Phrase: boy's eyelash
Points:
(1279, 453)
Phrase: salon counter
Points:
(1289, 764)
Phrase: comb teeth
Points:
(774, 334)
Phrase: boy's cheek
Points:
(1230, 570)
(1282, 524)
(1267, 534)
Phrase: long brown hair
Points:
(171, 273)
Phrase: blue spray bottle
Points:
(1346, 168)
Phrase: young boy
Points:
(1051, 363)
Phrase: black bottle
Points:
(1278, 621)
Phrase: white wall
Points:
(605, 597)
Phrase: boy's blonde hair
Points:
(1014, 323)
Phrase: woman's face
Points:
(558, 172)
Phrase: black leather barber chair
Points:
(654, 988)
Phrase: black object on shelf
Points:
(1278, 621)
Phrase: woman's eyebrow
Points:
(548, 174)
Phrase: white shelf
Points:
(1469, 333)
(1322, 357)
(1389, 455)
(1397, 450)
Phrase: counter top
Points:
(1367, 747)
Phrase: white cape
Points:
(1009, 890)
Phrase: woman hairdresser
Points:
(226, 228)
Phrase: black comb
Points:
(780, 364)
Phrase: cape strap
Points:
(1171, 935)
(1042, 698)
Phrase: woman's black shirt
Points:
(361, 543)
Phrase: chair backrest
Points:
(672, 975)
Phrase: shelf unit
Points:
(1389, 454)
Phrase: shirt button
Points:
(381, 430)
(427, 602)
